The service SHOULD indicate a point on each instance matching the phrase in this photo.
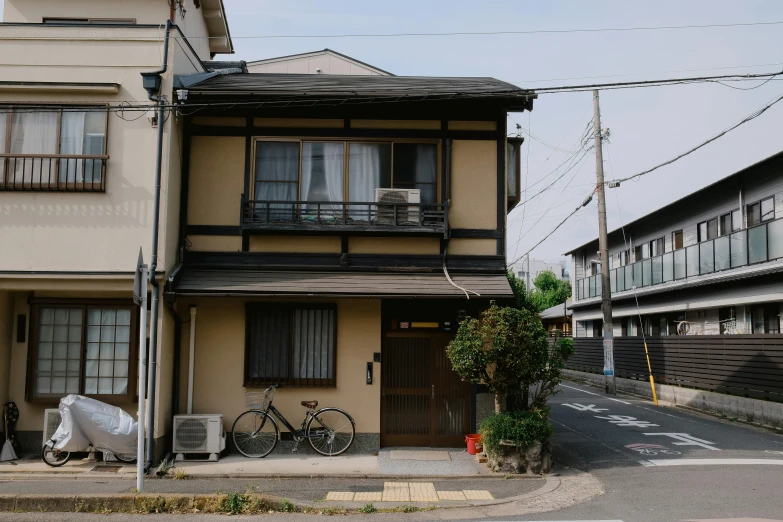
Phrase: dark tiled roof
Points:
(337, 284)
(302, 85)
(555, 312)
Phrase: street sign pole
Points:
(140, 298)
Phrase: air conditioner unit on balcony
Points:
(404, 214)
(199, 434)
(52, 421)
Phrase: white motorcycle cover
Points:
(88, 422)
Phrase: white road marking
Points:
(687, 440)
(582, 407)
(646, 463)
(618, 400)
(581, 390)
(625, 420)
(715, 462)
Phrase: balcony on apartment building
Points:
(749, 252)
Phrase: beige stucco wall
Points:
(295, 244)
(321, 63)
(473, 125)
(219, 363)
(473, 184)
(473, 247)
(393, 245)
(215, 243)
(217, 169)
(59, 231)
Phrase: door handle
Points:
(433, 391)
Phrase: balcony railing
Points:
(344, 216)
(53, 172)
(750, 246)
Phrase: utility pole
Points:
(603, 250)
(527, 274)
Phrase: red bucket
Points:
(472, 439)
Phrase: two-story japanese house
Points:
(337, 228)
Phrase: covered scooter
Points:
(87, 422)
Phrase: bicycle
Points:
(330, 431)
(56, 458)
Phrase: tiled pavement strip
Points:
(409, 492)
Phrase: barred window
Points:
(291, 345)
(83, 348)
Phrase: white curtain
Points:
(364, 176)
(322, 176)
(34, 133)
(276, 176)
(72, 142)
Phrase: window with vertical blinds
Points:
(290, 345)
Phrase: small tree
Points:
(548, 291)
(506, 350)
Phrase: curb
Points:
(151, 502)
(43, 475)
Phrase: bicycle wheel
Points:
(52, 457)
(126, 458)
(255, 434)
(330, 431)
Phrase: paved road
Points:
(637, 451)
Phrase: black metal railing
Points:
(53, 172)
(345, 215)
(749, 246)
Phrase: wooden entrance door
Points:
(423, 402)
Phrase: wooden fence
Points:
(745, 365)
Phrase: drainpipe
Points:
(191, 356)
(154, 95)
(177, 341)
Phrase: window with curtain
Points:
(310, 172)
(290, 345)
(53, 149)
(85, 349)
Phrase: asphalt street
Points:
(638, 450)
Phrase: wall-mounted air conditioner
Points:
(52, 421)
(404, 214)
(199, 434)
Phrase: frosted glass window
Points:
(82, 349)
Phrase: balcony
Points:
(337, 217)
(750, 246)
(53, 172)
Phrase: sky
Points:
(647, 126)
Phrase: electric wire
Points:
(752, 116)
(484, 33)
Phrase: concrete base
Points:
(751, 410)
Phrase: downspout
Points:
(153, 358)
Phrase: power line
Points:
(648, 72)
(746, 119)
(471, 33)
(577, 209)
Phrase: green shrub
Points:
(368, 508)
(523, 428)
(286, 506)
(234, 503)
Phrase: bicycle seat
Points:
(310, 404)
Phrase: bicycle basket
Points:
(259, 400)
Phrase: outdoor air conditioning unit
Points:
(199, 434)
(386, 213)
(52, 421)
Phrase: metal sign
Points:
(139, 282)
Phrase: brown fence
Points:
(746, 365)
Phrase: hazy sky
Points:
(647, 125)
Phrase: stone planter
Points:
(526, 460)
